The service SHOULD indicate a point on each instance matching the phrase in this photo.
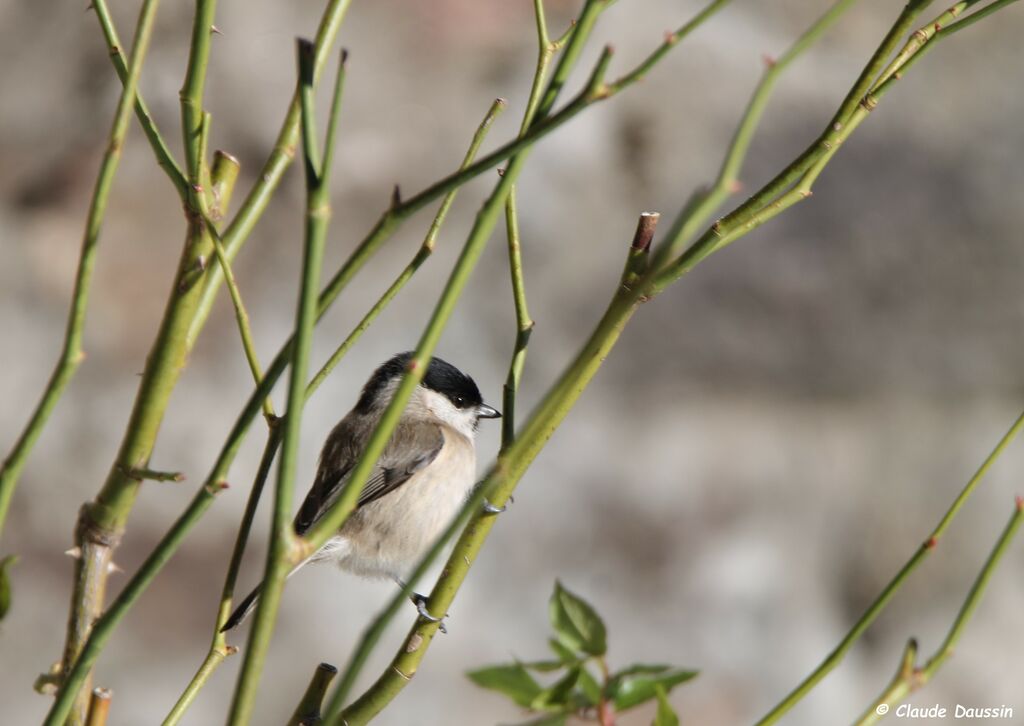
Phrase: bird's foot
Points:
(421, 607)
(491, 509)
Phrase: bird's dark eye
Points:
(459, 401)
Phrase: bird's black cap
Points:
(441, 376)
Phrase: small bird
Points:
(427, 470)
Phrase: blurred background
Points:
(769, 442)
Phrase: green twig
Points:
(307, 713)
(72, 354)
(671, 39)
(876, 607)
(695, 215)
(283, 546)
(163, 154)
(909, 676)
(192, 89)
(421, 256)
(524, 323)
(800, 175)
(214, 658)
(219, 649)
(273, 169)
(105, 625)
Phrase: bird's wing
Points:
(412, 446)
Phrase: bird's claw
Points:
(421, 607)
(491, 509)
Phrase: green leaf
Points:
(543, 666)
(5, 584)
(556, 697)
(511, 680)
(589, 688)
(566, 655)
(644, 669)
(665, 715)
(577, 625)
(632, 690)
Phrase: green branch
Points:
(727, 182)
(909, 676)
(270, 175)
(307, 713)
(281, 556)
(105, 625)
(163, 154)
(72, 354)
(876, 607)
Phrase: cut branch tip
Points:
(645, 231)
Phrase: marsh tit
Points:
(417, 486)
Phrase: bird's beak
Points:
(485, 411)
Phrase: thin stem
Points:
(524, 323)
(909, 677)
(694, 216)
(219, 649)
(281, 557)
(800, 175)
(72, 354)
(192, 89)
(270, 175)
(421, 256)
(241, 315)
(876, 607)
(671, 40)
(163, 154)
(213, 659)
(105, 625)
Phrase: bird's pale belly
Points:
(385, 537)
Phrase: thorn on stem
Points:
(74, 553)
(930, 543)
(215, 30)
(344, 56)
(501, 171)
(114, 568)
(396, 197)
(768, 60)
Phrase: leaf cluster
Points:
(581, 683)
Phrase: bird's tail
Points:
(244, 608)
